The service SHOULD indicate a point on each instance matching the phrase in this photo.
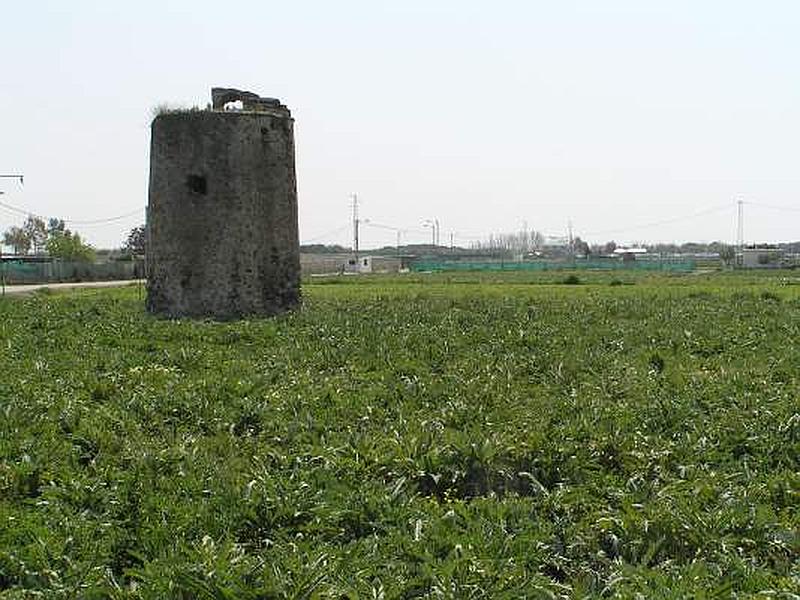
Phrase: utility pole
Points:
(438, 231)
(452, 245)
(740, 230)
(398, 249)
(355, 227)
(570, 239)
(433, 224)
(525, 242)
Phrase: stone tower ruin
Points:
(222, 237)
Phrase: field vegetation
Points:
(447, 436)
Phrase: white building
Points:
(761, 258)
(629, 254)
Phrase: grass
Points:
(453, 436)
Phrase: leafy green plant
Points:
(571, 280)
(486, 436)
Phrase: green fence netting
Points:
(13, 272)
(541, 265)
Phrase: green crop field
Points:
(446, 436)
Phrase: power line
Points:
(398, 232)
(16, 210)
(369, 223)
(707, 211)
(74, 221)
(773, 207)
(6, 211)
(107, 220)
(326, 234)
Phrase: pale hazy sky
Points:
(486, 115)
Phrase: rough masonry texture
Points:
(222, 214)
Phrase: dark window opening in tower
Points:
(197, 184)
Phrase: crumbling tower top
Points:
(221, 98)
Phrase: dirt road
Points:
(24, 289)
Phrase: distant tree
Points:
(36, 231)
(136, 242)
(580, 247)
(55, 227)
(727, 254)
(609, 247)
(70, 247)
(662, 248)
(510, 244)
(18, 239)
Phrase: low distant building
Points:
(326, 264)
(323, 263)
(380, 264)
(761, 258)
(629, 254)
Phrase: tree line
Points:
(525, 243)
(51, 238)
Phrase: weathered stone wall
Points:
(222, 214)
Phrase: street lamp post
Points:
(398, 249)
(434, 225)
